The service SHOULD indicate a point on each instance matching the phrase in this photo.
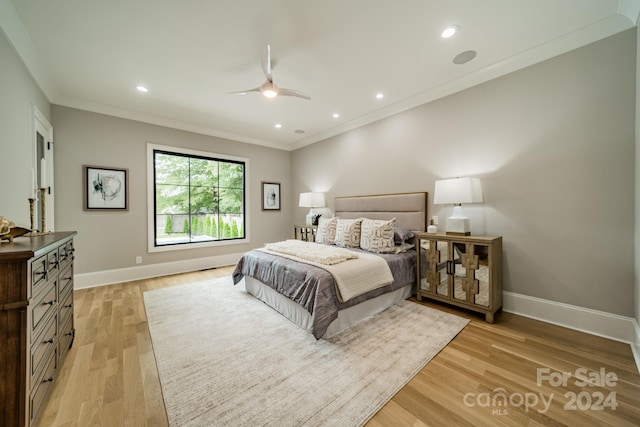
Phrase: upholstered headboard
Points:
(409, 209)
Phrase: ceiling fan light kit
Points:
(269, 88)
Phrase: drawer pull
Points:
(49, 341)
(49, 302)
(48, 380)
(68, 306)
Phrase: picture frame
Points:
(271, 196)
(105, 188)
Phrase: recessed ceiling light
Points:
(278, 125)
(336, 115)
(142, 89)
(449, 31)
(379, 95)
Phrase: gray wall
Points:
(112, 240)
(18, 94)
(554, 147)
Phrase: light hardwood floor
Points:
(110, 379)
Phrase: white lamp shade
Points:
(311, 200)
(457, 191)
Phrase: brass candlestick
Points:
(43, 210)
(31, 212)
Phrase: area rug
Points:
(226, 359)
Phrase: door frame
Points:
(42, 126)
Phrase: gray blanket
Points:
(313, 287)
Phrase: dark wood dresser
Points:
(36, 321)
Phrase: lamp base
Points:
(312, 217)
(457, 226)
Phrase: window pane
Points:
(231, 175)
(198, 199)
(203, 200)
(231, 201)
(171, 169)
(203, 171)
(172, 199)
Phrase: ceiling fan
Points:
(269, 88)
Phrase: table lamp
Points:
(457, 191)
(311, 200)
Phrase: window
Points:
(195, 198)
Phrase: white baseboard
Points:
(107, 277)
(607, 325)
(635, 347)
(612, 326)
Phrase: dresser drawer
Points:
(52, 263)
(40, 388)
(42, 307)
(66, 305)
(42, 346)
(66, 334)
(65, 254)
(65, 279)
(38, 274)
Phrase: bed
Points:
(307, 294)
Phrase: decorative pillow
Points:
(377, 235)
(326, 232)
(402, 235)
(348, 232)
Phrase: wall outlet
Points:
(434, 218)
(138, 260)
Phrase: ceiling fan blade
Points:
(292, 92)
(268, 88)
(244, 92)
(266, 64)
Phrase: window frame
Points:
(151, 202)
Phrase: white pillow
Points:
(377, 235)
(348, 233)
(326, 232)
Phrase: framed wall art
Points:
(105, 189)
(270, 196)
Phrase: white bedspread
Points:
(321, 254)
(354, 276)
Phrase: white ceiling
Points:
(191, 53)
